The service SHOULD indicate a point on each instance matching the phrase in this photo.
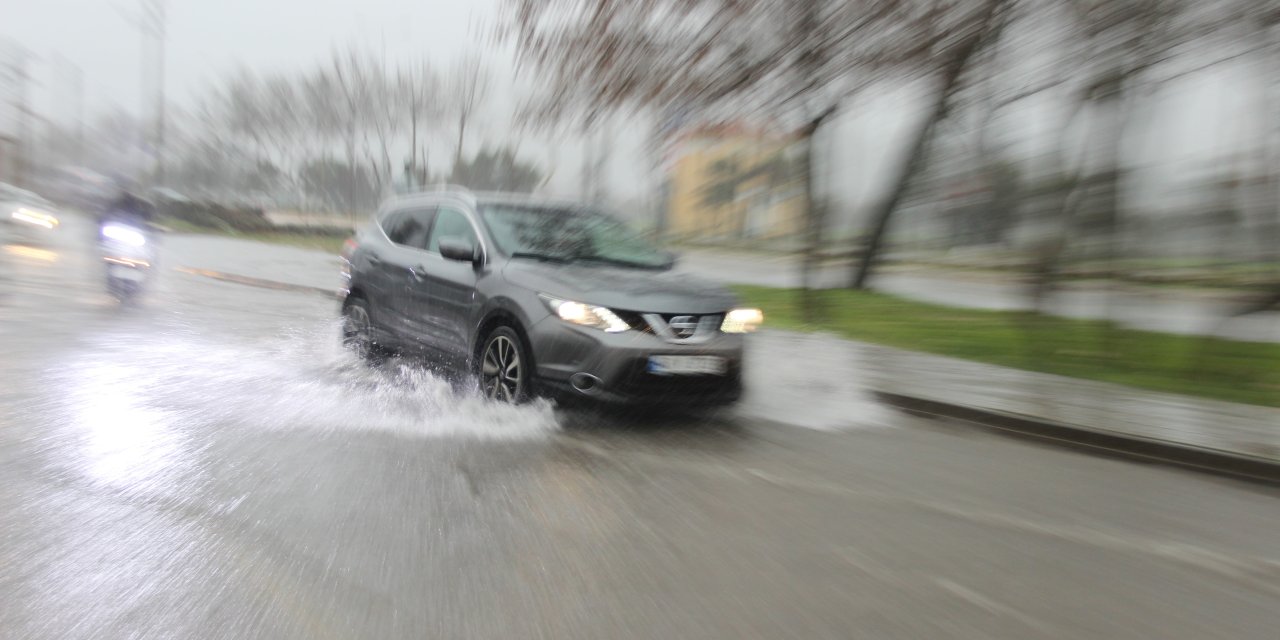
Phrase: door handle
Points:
(418, 273)
(374, 260)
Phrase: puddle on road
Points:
(135, 404)
(303, 380)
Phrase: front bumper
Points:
(619, 361)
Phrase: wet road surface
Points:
(209, 464)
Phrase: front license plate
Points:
(125, 273)
(687, 365)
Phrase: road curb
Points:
(1218, 462)
(260, 282)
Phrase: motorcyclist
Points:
(128, 209)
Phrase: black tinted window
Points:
(451, 223)
(408, 227)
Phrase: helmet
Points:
(124, 187)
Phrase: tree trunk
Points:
(913, 162)
(462, 132)
(413, 149)
(815, 222)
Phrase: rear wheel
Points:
(504, 369)
(357, 330)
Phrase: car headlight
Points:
(586, 315)
(742, 320)
(31, 216)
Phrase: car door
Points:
(371, 272)
(407, 232)
(450, 284)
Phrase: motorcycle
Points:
(128, 253)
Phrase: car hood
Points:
(618, 288)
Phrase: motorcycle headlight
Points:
(742, 320)
(586, 315)
(125, 235)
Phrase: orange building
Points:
(735, 183)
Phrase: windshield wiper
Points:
(541, 257)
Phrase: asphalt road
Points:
(208, 464)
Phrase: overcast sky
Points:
(210, 38)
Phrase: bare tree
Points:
(467, 85)
(342, 100)
(418, 86)
(950, 65)
(386, 116)
(793, 61)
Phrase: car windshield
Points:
(569, 235)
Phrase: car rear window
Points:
(408, 228)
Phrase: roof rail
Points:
(437, 188)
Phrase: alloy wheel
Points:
(500, 373)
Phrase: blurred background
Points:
(1048, 216)
(1094, 150)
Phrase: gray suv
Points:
(539, 297)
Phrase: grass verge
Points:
(1247, 372)
(322, 240)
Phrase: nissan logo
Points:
(684, 326)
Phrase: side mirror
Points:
(455, 248)
(672, 257)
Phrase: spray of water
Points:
(303, 380)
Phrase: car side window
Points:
(390, 223)
(450, 223)
(408, 228)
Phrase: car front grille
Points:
(674, 327)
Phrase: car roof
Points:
(476, 199)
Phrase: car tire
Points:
(357, 331)
(504, 368)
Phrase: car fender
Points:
(504, 307)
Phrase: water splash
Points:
(302, 380)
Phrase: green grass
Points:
(329, 243)
(1246, 372)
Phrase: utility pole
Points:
(72, 81)
(158, 18)
(78, 89)
(152, 23)
(22, 111)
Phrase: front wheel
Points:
(124, 291)
(504, 370)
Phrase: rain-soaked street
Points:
(210, 464)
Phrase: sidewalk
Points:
(840, 384)
(1224, 436)
(831, 383)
